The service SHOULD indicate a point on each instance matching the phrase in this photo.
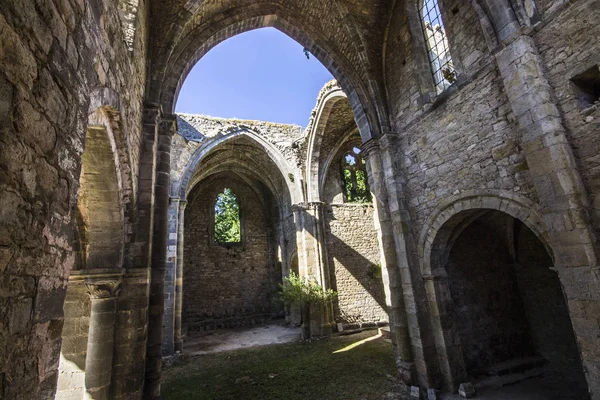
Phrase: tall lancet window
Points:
(354, 176)
(440, 60)
(227, 224)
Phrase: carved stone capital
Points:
(298, 207)
(369, 147)
(315, 205)
(103, 288)
(168, 124)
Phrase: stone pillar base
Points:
(406, 372)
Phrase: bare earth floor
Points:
(234, 339)
(269, 362)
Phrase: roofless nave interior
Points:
(479, 137)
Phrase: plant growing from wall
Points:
(374, 271)
(227, 228)
(309, 295)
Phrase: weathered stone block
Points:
(466, 390)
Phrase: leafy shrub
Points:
(297, 290)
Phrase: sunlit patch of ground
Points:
(365, 370)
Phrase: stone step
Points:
(516, 365)
(384, 331)
(498, 381)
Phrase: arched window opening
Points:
(354, 176)
(227, 227)
(440, 60)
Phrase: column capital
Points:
(315, 204)
(176, 200)
(298, 207)
(103, 288)
(369, 147)
(151, 113)
(168, 124)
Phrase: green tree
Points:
(227, 218)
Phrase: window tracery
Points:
(438, 49)
(354, 177)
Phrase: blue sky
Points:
(261, 74)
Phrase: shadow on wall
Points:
(359, 287)
(353, 252)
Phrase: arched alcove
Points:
(99, 244)
(501, 316)
(231, 284)
(99, 207)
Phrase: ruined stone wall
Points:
(568, 46)
(198, 130)
(407, 67)
(53, 55)
(226, 286)
(353, 253)
(467, 142)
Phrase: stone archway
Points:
(267, 183)
(172, 67)
(90, 307)
(192, 37)
(496, 301)
(329, 96)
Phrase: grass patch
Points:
(291, 371)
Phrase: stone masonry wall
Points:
(468, 143)
(53, 55)
(71, 381)
(568, 47)
(226, 286)
(353, 254)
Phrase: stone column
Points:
(179, 276)
(170, 278)
(158, 259)
(100, 345)
(299, 216)
(322, 263)
(392, 282)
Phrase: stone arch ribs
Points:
(328, 97)
(193, 40)
(182, 188)
(514, 205)
(104, 113)
(105, 135)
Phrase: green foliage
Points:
(374, 271)
(227, 218)
(297, 290)
(358, 194)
